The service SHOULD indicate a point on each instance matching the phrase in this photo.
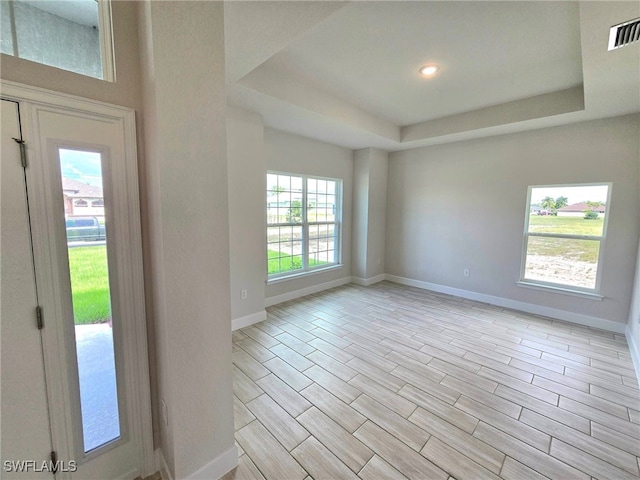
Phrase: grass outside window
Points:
(563, 245)
(89, 284)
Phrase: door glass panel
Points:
(87, 236)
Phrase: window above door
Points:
(70, 35)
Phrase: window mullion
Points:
(305, 227)
(565, 235)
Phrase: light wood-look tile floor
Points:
(395, 382)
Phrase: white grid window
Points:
(303, 223)
(564, 234)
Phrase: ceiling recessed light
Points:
(429, 70)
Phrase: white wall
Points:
(461, 205)
(291, 153)
(247, 231)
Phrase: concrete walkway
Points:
(98, 393)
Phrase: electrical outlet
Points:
(165, 414)
(466, 272)
(243, 294)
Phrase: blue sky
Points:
(85, 167)
(575, 194)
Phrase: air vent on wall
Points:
(624, 34)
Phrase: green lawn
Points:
(567, 225)
(286, 264)
(580, 250)
(89, 284)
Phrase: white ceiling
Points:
(347, 73)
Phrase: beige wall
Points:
(461, 205)
(247, 231)
(291, 153)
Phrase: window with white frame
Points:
(564, 235)
(303, 223)
(74, 36)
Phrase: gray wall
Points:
(377, 225)
(634, 317)
(633, 326)
(461, 205)
(291, 153)
(247, 231)
(185, 138)
(369, 212)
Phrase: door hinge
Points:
(23, 151)
(54, 462)
(39, 317)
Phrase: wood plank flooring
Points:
(396, 382)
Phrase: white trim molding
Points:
(218, 466)
(37, 105)
(572, 317)
(634, 350)
(365, 282)
(276, 299)
(161, 465)
(247, 320)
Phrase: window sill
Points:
(307, 273)
(561, 290)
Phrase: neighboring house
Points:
(578, 209)
(82, 199)
(535, 208)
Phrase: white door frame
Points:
(130, 270)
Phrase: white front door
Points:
(25, 421)
(84, 216)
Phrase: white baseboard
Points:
(365, 282)
(572, 317)
(247, 320)
(161, 465)
(218, 466)
(634, 350)
(285, 297)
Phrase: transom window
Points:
(303, 223)
(565, 230)
(73, 36)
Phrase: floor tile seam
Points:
(285, 449)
